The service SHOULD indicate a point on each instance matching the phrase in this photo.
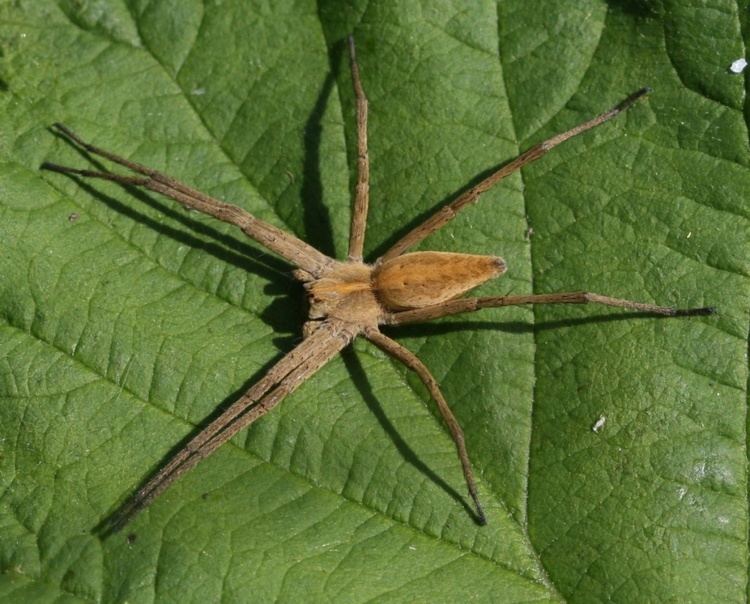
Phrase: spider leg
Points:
(462, 305)
(449, 211)
(286, 245)
(361, 200)
(282, 379)
(409, 359)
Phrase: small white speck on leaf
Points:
(738, 66)
(198, 91)
(599, 424)
(689, 235)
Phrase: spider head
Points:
(345, 293)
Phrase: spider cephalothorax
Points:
(351, 298)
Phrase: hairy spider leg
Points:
(412, 361)
(282, 379)
(462, 305)
(286, 245)
(448, 212)
(362, 194)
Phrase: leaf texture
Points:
(125, 321)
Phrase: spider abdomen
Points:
(421, 279)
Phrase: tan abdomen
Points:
(421, 279)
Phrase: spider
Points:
(351, 298)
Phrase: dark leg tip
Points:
(64, 169)
(106, 528)
(696, 312)
(62, 128)
(52, 167)
(632, 98)
(480, 518)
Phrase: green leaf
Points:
(125, 321)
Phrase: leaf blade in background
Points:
(125, 321)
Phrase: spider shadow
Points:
(315, 214)
(420, 330)
(359, 377)
(420, 218)
(324, 241)
(228, 249)
(320, 233)
(283, 315)
(119, 515)
(316, 219)
(637, 8)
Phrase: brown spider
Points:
(350, 298)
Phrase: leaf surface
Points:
(125, 321)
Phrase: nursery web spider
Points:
(350, 298)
